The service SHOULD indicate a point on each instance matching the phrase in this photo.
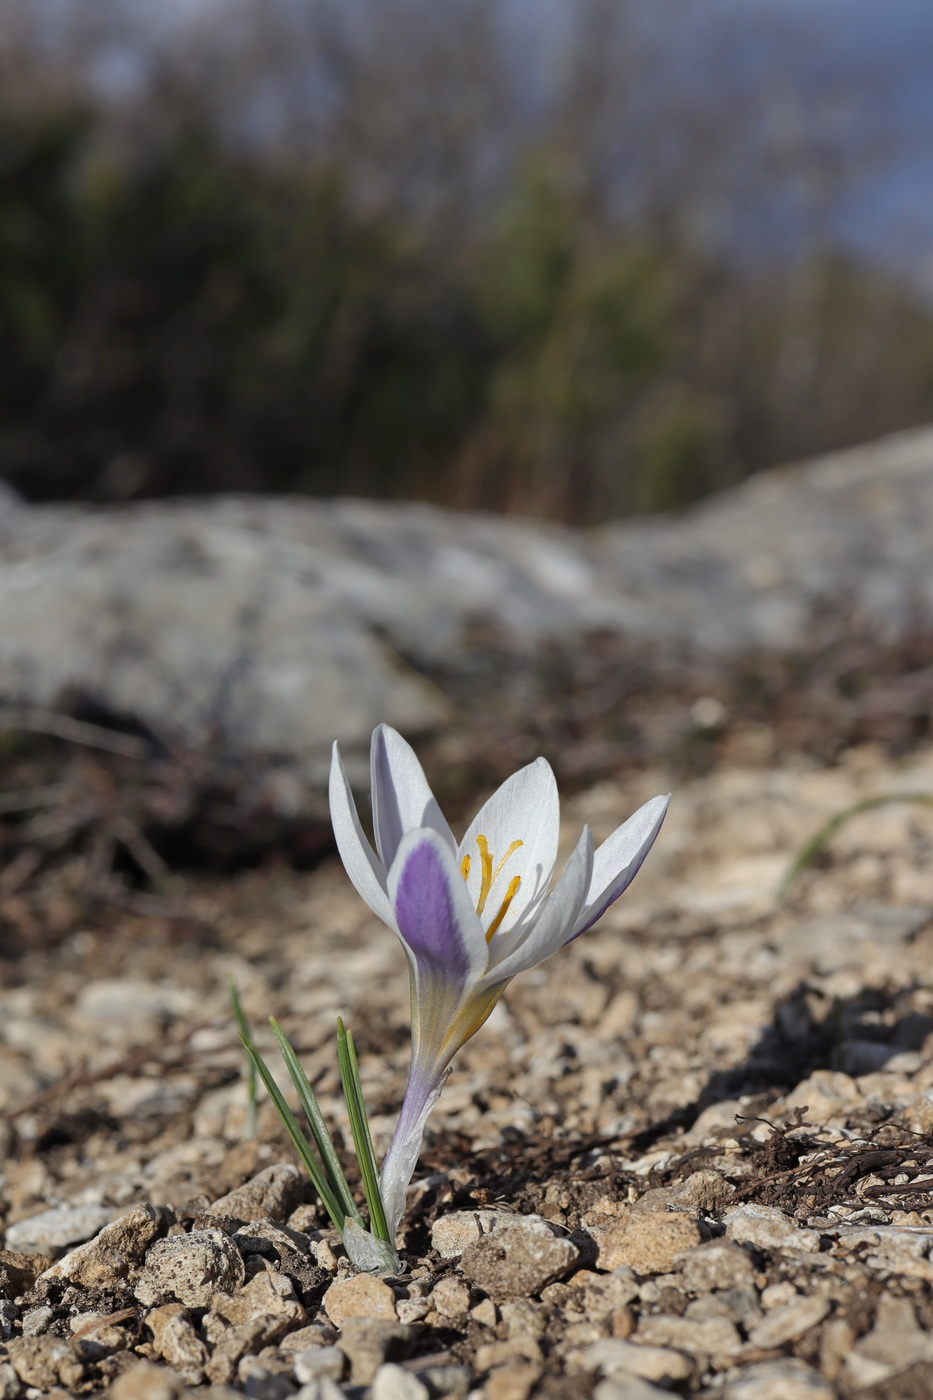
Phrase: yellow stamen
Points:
(512, 849)
(486, 882)
(490, 875)
(510, 894)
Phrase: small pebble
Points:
(362, 1295)
(392, 1382)
(319, 1363)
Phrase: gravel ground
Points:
(692, 1154)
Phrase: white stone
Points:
(319, 1363)
(766, 1227)
(779, 1380)
(451, 1233)
(393, 1382)
(53, 1229)
(787, 1323)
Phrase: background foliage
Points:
(301, 254)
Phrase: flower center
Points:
(489, 873)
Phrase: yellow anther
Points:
(489, 875)
(510, 893)
(486, 881)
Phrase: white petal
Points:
(526, 809)
(365, 871)
(618, 860)
(555, 925)
(402, 799)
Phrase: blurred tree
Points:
(577, 267)
(581, 322)
(197, 322)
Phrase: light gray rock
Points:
(37, 1320)
(145, 1381)
(272, 1194)
(190, 1269)
(894, 1343)
(280, 623)
(446, 1380)
(176, 1342)
(450, 1296)
(713, 1336)
(787, 1323)
(268, 1298)
(450, 1234)
(114, 1254)
(201, 616)
(264, 1378)
(9, 1318)
(257, 1236)
(611, 1356)
(604, 1294)
(779, 1380)
(766, 1227)
(45, 1362)
(231, 1344)
(319, 1363)
(412, 1309)
(716, 1264)
(521, 1260)
(393, 1382)
(891, 1249)
(629, 1388)
(323, 1389)
(367, 1342)
(522, 1318)
(54, 1229)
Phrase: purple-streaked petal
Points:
(402, 799)
(524, 809)
(433, 914)
(618, 860)
(555, 925)
(359, 859)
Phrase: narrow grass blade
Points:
(362, 1138)
(812, 848)
(355, 1069)
(322, 1138)
(243, 1026)
(312, 1165)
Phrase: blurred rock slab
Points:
(279, 624)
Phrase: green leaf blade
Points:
(362, 1138)
(245, 1035)
(299, 1142)
(322, 1138)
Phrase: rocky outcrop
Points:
(278, 624)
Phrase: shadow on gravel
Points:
(810, 1031)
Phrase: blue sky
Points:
(881, 50)
(877, 54)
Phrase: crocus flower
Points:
(472, 915)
